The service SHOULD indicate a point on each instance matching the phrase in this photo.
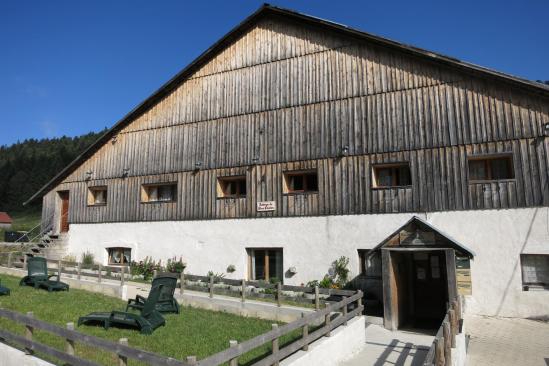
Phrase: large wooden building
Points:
(293, 141)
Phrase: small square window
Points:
(535, 271)
(392, 175)
(164, 192)
(97, 196)
(231, 187)
(301, 182)
(491, 168)
(118, 256)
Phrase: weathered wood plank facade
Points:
(288, 96)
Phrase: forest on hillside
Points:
(26, 166)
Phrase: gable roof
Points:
(5, 218)
(246, 24)
(429, 227)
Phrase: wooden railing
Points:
(440, 352)
(277, 288)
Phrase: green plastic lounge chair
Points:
(166, 302)
(37, 276)
(4, 290)
(147, 321)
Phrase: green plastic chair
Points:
(147, 321)
(4, 290)
(37, 276)
(166, 302)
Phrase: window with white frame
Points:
(535, 271)
(119, 255)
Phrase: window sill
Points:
(231, 198)
(492, 181)
(156, 202)
(97, 205)
(299, 193)
(390, 187)
(535, 287)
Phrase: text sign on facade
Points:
(266, 206)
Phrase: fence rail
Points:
(440, 351)
(72, 336)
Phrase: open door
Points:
(64, 217)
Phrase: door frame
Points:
(390, 287)
(59, 219)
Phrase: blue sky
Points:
(70, 67)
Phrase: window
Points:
(97, 196)
(535, 271)
(265, 264)
(301, 182)
(392, 175)
(231, 187)
(491, 168)
(370, 264)
(165, 192)
(120, 255)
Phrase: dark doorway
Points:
(64, 217)
(429, 289)
(416, 287)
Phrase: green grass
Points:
(193, 332)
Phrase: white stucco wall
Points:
(311, 244)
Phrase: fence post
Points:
(69, 343)
(317, 299)
(211, 286)
(275, 346)
(328, 322)
(24, 261)
(305, 334)
(59, 265)
(79, 270)
(9, 260)
(28, 333)
(191, 360)
(360, 299)
(439, 351)
(155, 273)
(447, 332)
(122, 275)
(243, 291)
(234, 361)
(279, 294)
(453, 327)
(345, 311)
(123, 360)
(182, 283)
(99, 273)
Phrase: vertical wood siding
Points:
(284, 97)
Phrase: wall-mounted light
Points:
(125, 172)
(255, 160)
(89, 174)
(114, 138)
(197, 165)
(344, 151)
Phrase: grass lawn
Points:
(193, 332)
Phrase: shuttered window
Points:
(535, 270)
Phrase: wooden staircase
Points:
(51, 246)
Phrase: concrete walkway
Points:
(384, 347)
(504, 341)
